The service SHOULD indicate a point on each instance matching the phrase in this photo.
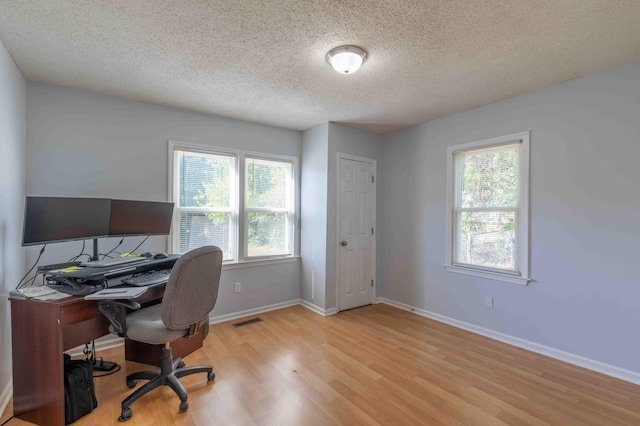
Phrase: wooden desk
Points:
(40, 333)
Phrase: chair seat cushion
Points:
(146, 326)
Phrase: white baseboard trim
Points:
(580, 361)
(317, 309)
(6, 395)
(111, 341)
(102, 344)
(255, 311)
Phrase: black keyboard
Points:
(149, 279)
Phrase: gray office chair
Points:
(189, 296)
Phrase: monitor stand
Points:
(96, 253)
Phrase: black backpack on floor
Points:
(79, 393)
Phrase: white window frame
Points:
(238, 241)
(522, 277)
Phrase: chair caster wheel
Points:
(125, 415)
(181, 364)
(211, 376)
(132, 383)
(183, 406)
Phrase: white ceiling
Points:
(264, 61)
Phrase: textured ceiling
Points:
(264, 61)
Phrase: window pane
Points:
(201, 229)
(487, 239)
(205, 180)
(490, 177)
(267, 183)
(267, 234)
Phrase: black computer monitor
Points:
(56, 219)
(129, 217)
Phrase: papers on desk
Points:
(42, 292)
(117, 293)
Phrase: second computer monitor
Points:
(130, 217)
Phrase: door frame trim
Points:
(374, 163)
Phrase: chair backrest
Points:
(192, 289)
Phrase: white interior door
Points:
(356, 220)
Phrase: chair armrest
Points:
(116, 313)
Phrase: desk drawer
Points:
(79, 310)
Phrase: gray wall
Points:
(12, 191)
(84, 144)
(585, 218)
(321, 145)
(313, 196)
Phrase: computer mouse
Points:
(147, 254)
(160, 256)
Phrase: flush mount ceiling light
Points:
(346, 59)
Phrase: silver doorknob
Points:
(343, 243)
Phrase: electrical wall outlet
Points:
(236, 287)
(488, 302)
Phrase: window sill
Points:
(492, 276)
(261, 262)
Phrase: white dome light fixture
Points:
(346, 59)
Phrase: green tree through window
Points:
(488, 209)
(267, 207)
(205, 201)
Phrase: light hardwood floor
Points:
(372, 365)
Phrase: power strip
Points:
(104, 365)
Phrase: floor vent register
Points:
(247, 322)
